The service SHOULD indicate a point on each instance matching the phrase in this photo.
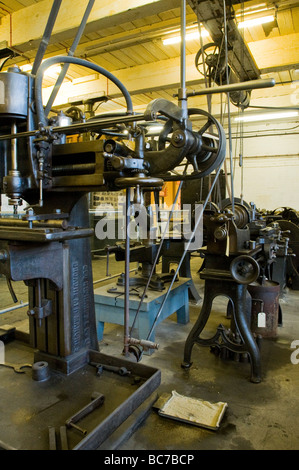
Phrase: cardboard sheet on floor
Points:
(191, 410)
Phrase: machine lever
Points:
(146, 344)
(97, 399)
(118, 370)
(11, 290)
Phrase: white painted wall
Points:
(270, 164)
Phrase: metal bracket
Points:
(164, 107)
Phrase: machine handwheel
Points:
(140, 180)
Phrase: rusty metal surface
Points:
(30, 408)
(265, 299)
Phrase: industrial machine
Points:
(53, 178)
(240, 251)
(48, 245)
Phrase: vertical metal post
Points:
(228, 111)
(46, 37)
(187, 245)
(38, 297)
(182, 90)
(70, 53)
(158, 253)
(14, 161)
(14, 165)
(127, 275)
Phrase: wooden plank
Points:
(172, 50)
(155, 49)
(295, 17)
(125, 57)
(70, 15)
(166, 15)
(136, 54)
(257, 33)
(284, 76)
(27, 3)
(116, 63)
(103, 62)
(129, 33)
(285, 22)
(277, 51)
(142, 51)
(12, 5)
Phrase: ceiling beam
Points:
(138, 79)
(146, 79)
(280, 68)
(280, 51)
(240, 59)
(103, 15)
(136, 36)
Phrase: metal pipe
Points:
(41, 118)
(111, 277)
(79, 127)
(127, 276)
(182, 91)
(250, 85)
(46, 37)
(184, 253)
(228, 111)
(14, 307)
(14, 161)
(158, 253)
(70, 53)
(183, 44)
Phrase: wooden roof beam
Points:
(24, 28)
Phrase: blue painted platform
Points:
(109, 307)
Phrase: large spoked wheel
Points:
(209, 152)
(213, 144)
(209, 61)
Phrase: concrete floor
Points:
(260, 416)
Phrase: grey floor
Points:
(260, 416)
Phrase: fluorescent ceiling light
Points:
(26, 67)
(49, 72)
(188, 37)
(266, 116)
(256, 21)
(52, 71)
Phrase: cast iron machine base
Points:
(229, 266)
(238, 296)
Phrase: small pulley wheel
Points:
(209, 61)
(244, 269)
